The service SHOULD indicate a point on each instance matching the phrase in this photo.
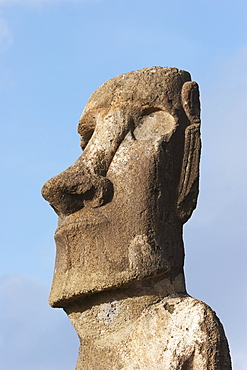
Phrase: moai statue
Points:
(121, 208)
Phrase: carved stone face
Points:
(122, 204)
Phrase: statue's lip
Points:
(81, 219)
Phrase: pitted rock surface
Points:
(121, 208)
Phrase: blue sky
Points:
(53, 55)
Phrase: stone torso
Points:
(176, 333)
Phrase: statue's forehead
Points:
(135, 92)
(150, 86)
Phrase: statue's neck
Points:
(105, 310)
(108, 317)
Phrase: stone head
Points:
(122, 204)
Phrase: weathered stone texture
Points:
(121, 207)
(135, 328)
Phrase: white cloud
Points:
(33, 336)
(6, 38)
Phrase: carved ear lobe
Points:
(189, 180)
(190, 101)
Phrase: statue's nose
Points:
(74, 188)
(63, 192)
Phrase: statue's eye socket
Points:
(156, 124)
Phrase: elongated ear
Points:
(189, 180)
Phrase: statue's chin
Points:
(84, 265)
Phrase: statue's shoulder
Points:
(178, 333)
(185, 315)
